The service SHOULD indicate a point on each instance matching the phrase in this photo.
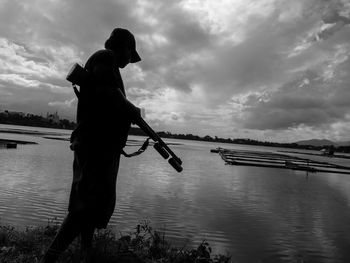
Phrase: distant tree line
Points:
(344, 149)
(40, 121)
(34, 120)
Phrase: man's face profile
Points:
(124, 56)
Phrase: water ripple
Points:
(257, 215)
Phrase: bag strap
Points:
(76, 91)
(139, 151)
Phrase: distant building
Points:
(53, 117)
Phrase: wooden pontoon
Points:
(337, 155)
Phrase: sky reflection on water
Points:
(256, 214)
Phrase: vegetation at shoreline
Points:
(344, 149)
(143, 245)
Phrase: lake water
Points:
(254, 214)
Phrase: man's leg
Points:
(69, 230)
(86, 235)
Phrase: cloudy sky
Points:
(273, 70)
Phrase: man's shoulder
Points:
(104, 56)
(103, 52)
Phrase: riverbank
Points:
(143, 245)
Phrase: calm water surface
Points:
(255, 214)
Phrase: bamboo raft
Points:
(342, 156)
(276, 160)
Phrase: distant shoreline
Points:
(51, 136)
(28, 132)
(138, 132)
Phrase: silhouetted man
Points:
(103, 125)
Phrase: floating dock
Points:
(8, 145)
(276, 160)
(12, 144)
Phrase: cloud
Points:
(64, 104)
(228, 68)
(313, 100)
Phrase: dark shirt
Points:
(102, 119)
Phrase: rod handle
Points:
(161, 150)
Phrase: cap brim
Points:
(135, 57)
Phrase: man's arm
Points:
(104, 77)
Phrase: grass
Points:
(143, 245)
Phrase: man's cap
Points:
(121, 37)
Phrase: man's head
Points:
(123, 43)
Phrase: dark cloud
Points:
(308, 101)
(183, 37)
(258, 61)
(85, 24)
(338, 23)
(266, 54)
(34, 99)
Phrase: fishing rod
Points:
(79, 76)
(160, 146)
